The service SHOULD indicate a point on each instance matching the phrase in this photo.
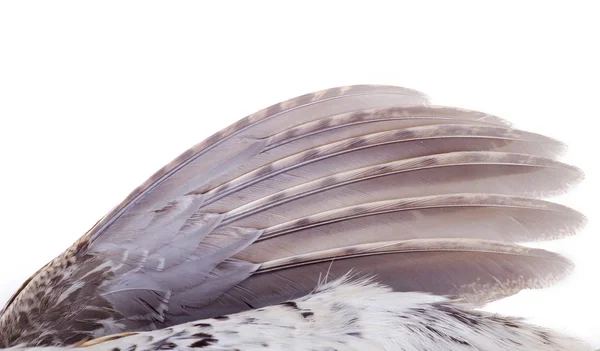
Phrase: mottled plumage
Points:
(369, 179)
(349, 315)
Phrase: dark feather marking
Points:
(202, 325)
(202, 335)
(249, 305)
(307, 314)
(290, 304)
(204, 342)
(148, 305)
(166, 346)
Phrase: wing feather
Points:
(370, 179)
(440, 266)
(244, 138)
(476, 216)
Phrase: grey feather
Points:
(477, 270)
(477, 216)
(363, 178)
(339, 127)
(376, 148)
(207, 156)
(458, 172)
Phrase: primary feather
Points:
(365, 178)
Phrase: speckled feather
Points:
(365, 178)
(348, 315)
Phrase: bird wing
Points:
(369, 179)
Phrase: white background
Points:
(96, 96)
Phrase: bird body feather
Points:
(369, 179)
(347, 314)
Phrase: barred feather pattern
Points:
(348, 314)
(371, 179)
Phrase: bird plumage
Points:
(369, 179)
(348, 314)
